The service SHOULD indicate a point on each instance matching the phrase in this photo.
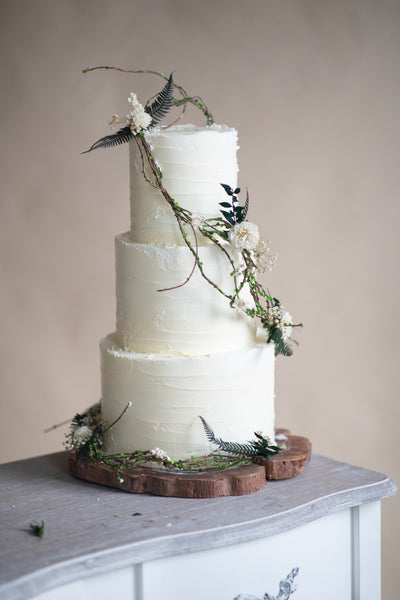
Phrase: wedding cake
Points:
(183, 352)
(187, 350)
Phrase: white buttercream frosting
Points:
(194, 161)
(233, 392)
(194, 318)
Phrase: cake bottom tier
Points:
(233, 392)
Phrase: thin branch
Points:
(117, 419)
(195, 100)
(57, 426)
(175, 287)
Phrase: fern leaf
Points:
(209, 432)
(230, 447)
(162, 103)
(246, 206)
(260, 448)
(115, 139)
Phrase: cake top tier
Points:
(193, 161)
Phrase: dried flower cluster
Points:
(81, 435)
(241, 304)
(137, 119)
(83, 428)
(159, 454)
(282, 320)
(264, 260)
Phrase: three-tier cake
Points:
(196, 333)
(180, 350)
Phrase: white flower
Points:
(264, 260)
(81, 436)
(244, 236)
(159, 454)
(241, 304)
(239, 269)
(132, 99)
(137, 119)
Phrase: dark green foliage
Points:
(77, 421)
(229, 190)
(261, 447)
(162, 103)
(236, 214)
(92, 445)
(281, 347)
(115, 139)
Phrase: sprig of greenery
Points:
(37, 528)
(236, 214)
(122, 462)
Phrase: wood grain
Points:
(237, 481)
(291, 461)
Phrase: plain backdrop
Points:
(313, 88)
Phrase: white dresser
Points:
(104, 544)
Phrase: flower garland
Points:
(87, 430)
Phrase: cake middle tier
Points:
(193, 318)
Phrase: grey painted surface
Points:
(90, 528)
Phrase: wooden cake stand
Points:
(235, 481)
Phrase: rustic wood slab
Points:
(236, 481)
(291, 461)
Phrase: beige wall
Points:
(313, 88)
